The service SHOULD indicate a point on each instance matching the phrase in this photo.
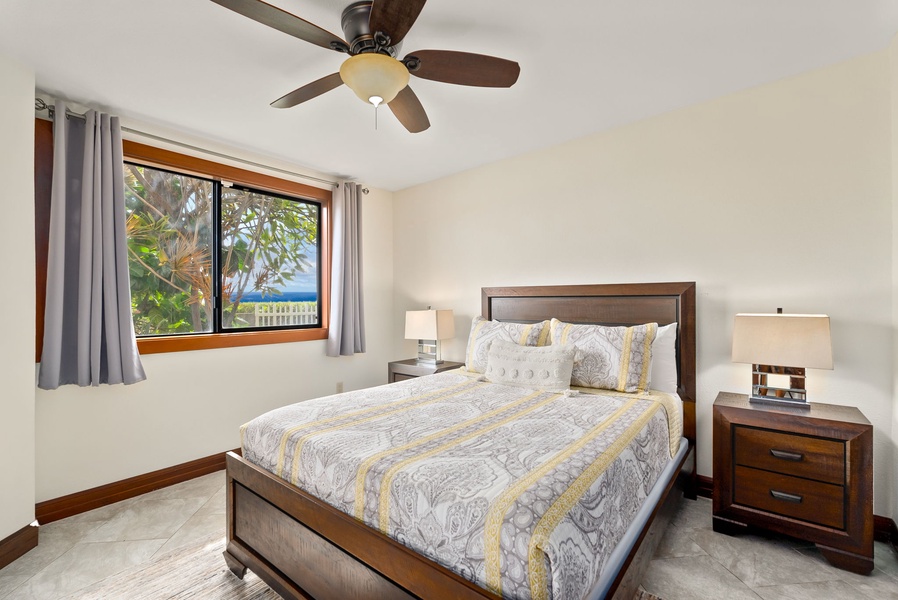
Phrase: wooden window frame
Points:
(151, 156)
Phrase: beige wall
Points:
(193, 403)
(893, 71)
(778, 196)
(781, 195)
(16, 297)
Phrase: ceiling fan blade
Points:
(409, 111)
(464, 68)
(394, 17)
(281, 20)
(309, 91)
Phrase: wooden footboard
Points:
(305, 548)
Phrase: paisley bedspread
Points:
(524, 492)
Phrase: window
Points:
(213, 263)
(170, 246)
(269, 261)
(204, 257)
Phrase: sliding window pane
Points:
(169, 228)
(269, 261)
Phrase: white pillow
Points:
(484, 332)
(664, 360)
(537, 367)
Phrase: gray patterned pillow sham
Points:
(541, 368)
(484, 332)
(611, 358)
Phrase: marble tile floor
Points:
(692, 562)
(76, 552)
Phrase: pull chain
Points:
(376, 101)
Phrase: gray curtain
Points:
(346, 334)
(88, 332)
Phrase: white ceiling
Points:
(586, 66)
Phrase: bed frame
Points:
(305, 548)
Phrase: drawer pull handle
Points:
(787, 497)
(795, 456)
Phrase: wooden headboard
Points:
(616, 304)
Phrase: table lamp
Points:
(429, 327)
(778, 344)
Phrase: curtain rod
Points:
(40, 105)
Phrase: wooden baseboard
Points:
(884, 528)
(705, 486)
(18, 544)
(79, 502)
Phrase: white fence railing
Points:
(275, 314)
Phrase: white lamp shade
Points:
(372, 75)
(429, 325)
(801, 341)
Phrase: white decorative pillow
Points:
(611, 358)
(664, 360)
(484, 332)
(537, 367)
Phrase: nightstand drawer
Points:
(812, 501)
(802, 456)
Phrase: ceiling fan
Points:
(375, 30)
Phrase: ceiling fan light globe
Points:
(373, 75)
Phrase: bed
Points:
(304, 546)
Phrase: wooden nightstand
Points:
(407, 369)
(807, 473)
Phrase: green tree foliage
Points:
(169, 226)
(263, 245)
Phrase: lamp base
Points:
(428, 353)
(778, 401)
(426, 362)
(763, 393)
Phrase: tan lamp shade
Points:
(783, 340)
(429, 325)
(375, 78)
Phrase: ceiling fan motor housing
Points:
(355, 29)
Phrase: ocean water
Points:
(283, 297)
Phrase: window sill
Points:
(156, 345)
